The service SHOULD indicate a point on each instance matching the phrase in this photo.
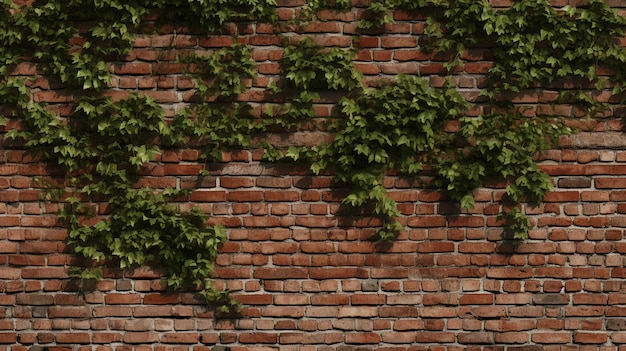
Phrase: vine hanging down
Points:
(103, 146)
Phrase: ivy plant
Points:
(217, 120)
(307, 70)
(398, 127)
(534, 45)
(103, 149)
(103, 146)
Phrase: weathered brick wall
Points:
(308, 277)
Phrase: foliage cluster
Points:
(218, 121)
(534, 46)
(103, 146)
(306, 70)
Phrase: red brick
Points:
(398, 42)
(180, 338)
(562, 196)
(122, 299)
(360, 311)
(9, 273)
(258, 338)
(290, 300)
(590, 338)
(106, 338)
(73, 338)
(510, 325)
(362, 338)
(398, 337)
(476, 299)
(69, 312)
(435, 247)
(589, 299)
(140, 337)
(289, 312)
(440, 299)
(488, 312)
(509, 273)
(367, 299)
(551, 338)
(132, 69)
(117, 311)
(8, 338)
(476, 338)
(159, 299)
(280, 273)
(435, 337)
(330, 299)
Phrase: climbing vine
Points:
(218, 121)
(104, 146)
(535, 46)
(306, 70)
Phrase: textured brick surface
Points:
(307, 276)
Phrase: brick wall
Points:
(307, 275)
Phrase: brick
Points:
(476, 338)
(510, 325)
(120, 299)
(488, 312)
(437, 312)
(69, 312)
(258, 338)
(435, 247)
(330, 299)
(362, 338)
(140, 337)
(289, 299)
(73, 338)
(551, 299)
(440, 299)
(618, 338)
(9, 273)
(399, 42)
(589, 299)
(361, 311)
(280, 273)
(35, 299)
(337, 273)
(590, 338)
(162, 311)
(289, 312)
(512, 338)
(476, 299)
(587, 311)
(367, 299)
(551, 338)
(509, 273)
(117, 311)
(8, 338)
(435, 337)
(106, 338)
(132, 69)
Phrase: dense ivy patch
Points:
(104, 145)
(535, 47)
